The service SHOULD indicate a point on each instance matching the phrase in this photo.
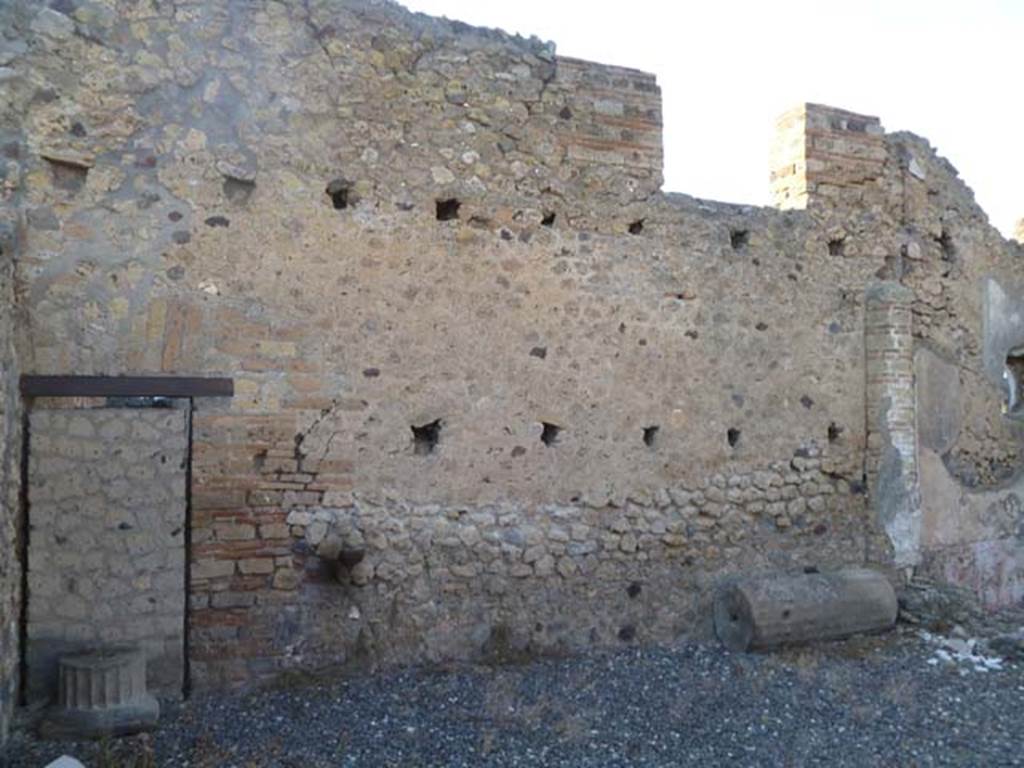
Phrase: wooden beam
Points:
(126, 386)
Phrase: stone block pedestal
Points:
(101, 693)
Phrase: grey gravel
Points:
(864, 702)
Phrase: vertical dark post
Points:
(22, 542)
(186, 688)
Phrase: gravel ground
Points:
(864, 702)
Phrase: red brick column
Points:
(829, 156)
(891, 457)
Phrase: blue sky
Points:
(950, 70)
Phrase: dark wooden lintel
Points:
(126, 386)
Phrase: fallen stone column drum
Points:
(768, 611)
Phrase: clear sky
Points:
(949, 70)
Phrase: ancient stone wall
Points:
(106, 549)
(10, 404)
(10, 509)
(528, 400)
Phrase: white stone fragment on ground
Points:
(964, 652)
(65, 761)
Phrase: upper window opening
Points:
(1013, 378)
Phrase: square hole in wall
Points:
(426, 437)
(448, 209)
(339, 190)
(68, 176)
(549, 433)
(739, 239)
(651, 435)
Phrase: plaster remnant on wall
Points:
(939, 417)
(897, 503)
